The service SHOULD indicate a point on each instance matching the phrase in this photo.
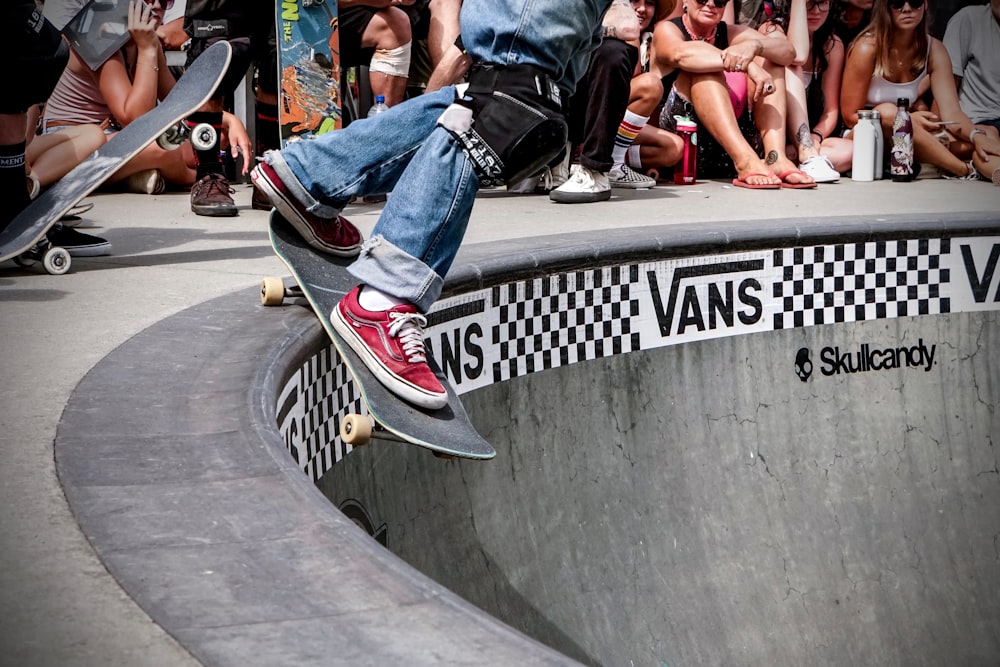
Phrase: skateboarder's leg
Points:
(426, 226)
(367, 157)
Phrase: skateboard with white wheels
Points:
(23, 240)
(323, 280)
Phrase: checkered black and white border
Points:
(496, 334)
(310, 408)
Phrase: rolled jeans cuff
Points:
(293, 186)
(388, 269)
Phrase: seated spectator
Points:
(856, 17)
(716, 75)
(896, 57)
(378, 34)
(35, 55)
(654, 149)
(812, 85)
(973, 43)
(598, 107)
(126, 86)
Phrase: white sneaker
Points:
(624, 176)
(821, 169)
(584, 186)
(146, 182)
(970, 175)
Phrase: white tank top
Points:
(881, 91)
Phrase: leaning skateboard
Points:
(324, 280)
(24, 238)
(309, 69)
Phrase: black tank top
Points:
(721, 42)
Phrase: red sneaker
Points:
(391, 343)
(333, 236)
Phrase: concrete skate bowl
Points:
(779, 452)
(719, 444)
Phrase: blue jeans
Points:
(404, 150)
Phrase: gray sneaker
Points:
(624, 176)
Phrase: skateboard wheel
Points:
(272, 291)
(203, 136)
(56, 261)
(24, 261)
(355, 430)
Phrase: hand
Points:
(239, 140)
(987, 146)
(142, 24)
(763, 81)
(927, 121)
(737, 58)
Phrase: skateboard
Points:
(24, 238)
(324, 280)
(309, 69)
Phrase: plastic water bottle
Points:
(879, 145)
(863, 161)
(901, 162)
(685, 172)
(378, 107)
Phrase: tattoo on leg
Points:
(772, 157)
(804, 136)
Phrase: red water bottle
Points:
(685, 171)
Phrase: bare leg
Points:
(52, 156)
(769, 113)
(798, 116)
(710, 97)
(389, 29)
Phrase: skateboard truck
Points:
(54, 259)
(202, 136)
(358, 430)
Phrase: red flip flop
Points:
(795, 186)
(740, 183)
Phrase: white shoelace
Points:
(409, 329)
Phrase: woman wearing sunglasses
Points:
(124, 87)
(717, 74)
(896, 57)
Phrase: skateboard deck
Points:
(192, 90)
(309, 69)
(324, 280)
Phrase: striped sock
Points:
(629, 129)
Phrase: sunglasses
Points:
(899, 4)
(821, 5)
(718, 4)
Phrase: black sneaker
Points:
(212, 196)
(77, 243)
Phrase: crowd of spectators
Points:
(774, 86)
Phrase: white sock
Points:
(372, 299)
(628, 130)
(633, 159)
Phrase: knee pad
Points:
(393, 62)
(510, 122)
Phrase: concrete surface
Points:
(58, 603)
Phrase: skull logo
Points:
(803, 364)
